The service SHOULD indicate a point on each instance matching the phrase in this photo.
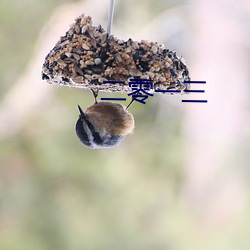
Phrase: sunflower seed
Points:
(85, 46)
(88, 62)
(150, 74)
(77, 29)
(77, 79)
(145, 42)
(101, 80)
(134, 72)
(78, 70)
(95, 76)
(69, 60)
(144, 77)
(154, 49)
(68, 54)
(77, 57)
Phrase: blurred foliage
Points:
(20, 23)
(56, 194)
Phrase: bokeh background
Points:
(180, 182)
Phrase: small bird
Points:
(104, 124)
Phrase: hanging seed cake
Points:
(87, 56)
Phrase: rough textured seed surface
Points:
(86, 56)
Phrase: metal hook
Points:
(110, 16)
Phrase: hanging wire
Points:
(110, 15)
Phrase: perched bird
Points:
(104, 124)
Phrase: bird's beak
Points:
(82, 115)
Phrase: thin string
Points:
(130, 103)
(110, 16)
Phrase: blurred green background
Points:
(181, 181)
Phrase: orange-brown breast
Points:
(111, 117)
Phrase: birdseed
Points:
(86, 56)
